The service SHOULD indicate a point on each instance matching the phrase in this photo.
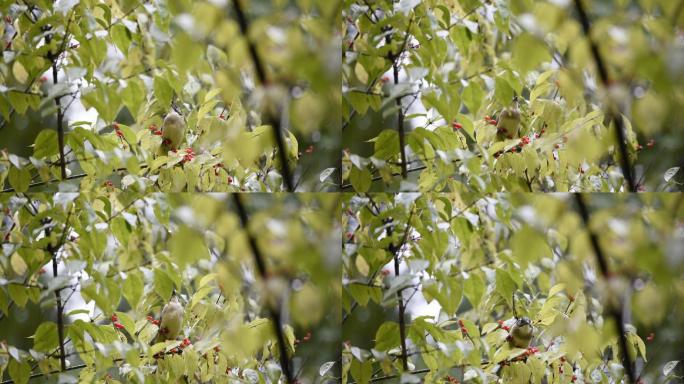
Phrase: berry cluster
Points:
(463, 328)
(189, 155)
(115, 322)
(649, 145)
(117, 130)
(155, 131)
(304, 339)
(502, 326)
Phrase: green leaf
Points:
(387, 336)
(19, 371)
(46, 337)
(132, 288)
(19, 179)
(503, 91)
(162, 90)
(528, 52)
(360, 179)
(46, 144)
(528, 245)
(187, 247)
(18, 294)
(386, 144)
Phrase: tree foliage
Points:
(85, 87)
(427, 85)
(83, 278)
(433, 284)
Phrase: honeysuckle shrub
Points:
(461, 268)
(115, 259)
(443, 72)
(113, 69)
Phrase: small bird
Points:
(508, 124)
(173, 130)
(171, 320)
(521, 333)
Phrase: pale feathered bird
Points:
(173, 130)
(521, 333)
(509, 124)
(171, 320)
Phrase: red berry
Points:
(221, 117)
(492, 122)
(115, 318)
(487, 118)
(118, 326)
(150, 318)
(309, 149)
(115, 125)
(500, 322)
(119, 133)
(307, 337)
(155, 322)
(650, 337)
(159, 133)
(460, 322)
(230, 180)
(574, 378)
(457, 126)
(217, 349)
(506, 328)
(650, 143)
(152, 127)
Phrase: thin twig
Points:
(274, 310)
(402, 305)
(394, 58)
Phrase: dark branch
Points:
(615, 312)
(274, 310)
(261, 76)
(616, 116)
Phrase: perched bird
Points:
(521, 333)
(173, 130)
(171, 320)
(508, 124)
